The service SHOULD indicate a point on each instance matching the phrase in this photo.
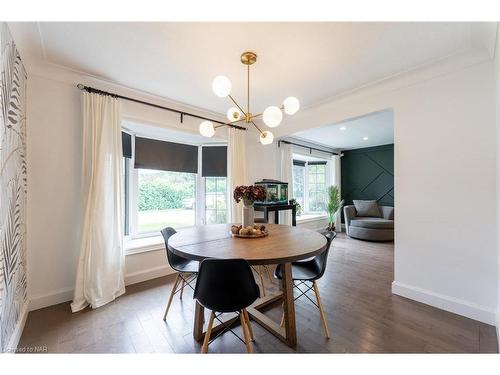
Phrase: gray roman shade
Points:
(214, 161)
(316, 162)
(165, 156)
(127, 145)
(299, 163)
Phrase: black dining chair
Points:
(223, 286)
(305, 273)
(186, 269)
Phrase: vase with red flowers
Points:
(249, 195)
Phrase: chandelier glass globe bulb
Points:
(207, 129)
(221, 85)
(291, 105)
(266, 138)
(272, 116)
(233, 114)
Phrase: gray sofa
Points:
(370, 228)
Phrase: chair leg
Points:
(183, 284)
(322, 313)
(250, 330)
(282, 323)
(206, 340)
(246, 333)
(262, 282)
(172, 292)
(269, 274)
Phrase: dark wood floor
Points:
(363, 315)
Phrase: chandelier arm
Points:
(235, 121)
(248, 88)
(254, 124)
(237, 105)
(260, 114)
(257, 115)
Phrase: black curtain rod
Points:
(310, 148)
(181, 113)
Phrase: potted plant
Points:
(249, 195)
(333, 205)
(298, 207)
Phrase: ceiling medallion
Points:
(271, 116)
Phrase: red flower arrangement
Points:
(249, 194)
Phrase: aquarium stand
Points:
(266, 208)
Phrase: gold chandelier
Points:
(272, 115)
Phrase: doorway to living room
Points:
(366, 148)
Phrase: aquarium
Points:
(276, 191)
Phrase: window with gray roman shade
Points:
(214, 161)
(165, 156)
(127, 145)
(299, 163)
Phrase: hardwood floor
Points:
(363, 317)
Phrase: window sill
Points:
(143, 245)
(310, 217)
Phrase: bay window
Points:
(173, 184)
(215, 200)
(165, 199)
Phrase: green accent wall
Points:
(368, 173)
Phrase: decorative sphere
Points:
(233, 114)
(266, 138)
(221, 85)
(291, 105)
(207, 129)
(272, 116)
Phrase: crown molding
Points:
(73, 77)
(315, 116)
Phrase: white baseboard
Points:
(39, 301)
(148, 274)
(64, 295)
(18, 331)
(457, 306)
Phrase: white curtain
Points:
(286, 167)
(236, 158)
(100, 274)
(336, 181)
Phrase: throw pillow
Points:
(367, 208)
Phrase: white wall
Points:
(54, 198)
(54, 195)
(445, 179)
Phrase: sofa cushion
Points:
(367, 208)
(372, 223)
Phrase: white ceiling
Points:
(347, 135)
(312, 61)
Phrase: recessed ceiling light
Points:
(343, 128)
(365, 138)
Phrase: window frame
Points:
(300, 156)
(216, 194)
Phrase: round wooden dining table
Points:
(283, 245)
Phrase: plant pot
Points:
(248, 216)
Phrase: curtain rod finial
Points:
(80, 86)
